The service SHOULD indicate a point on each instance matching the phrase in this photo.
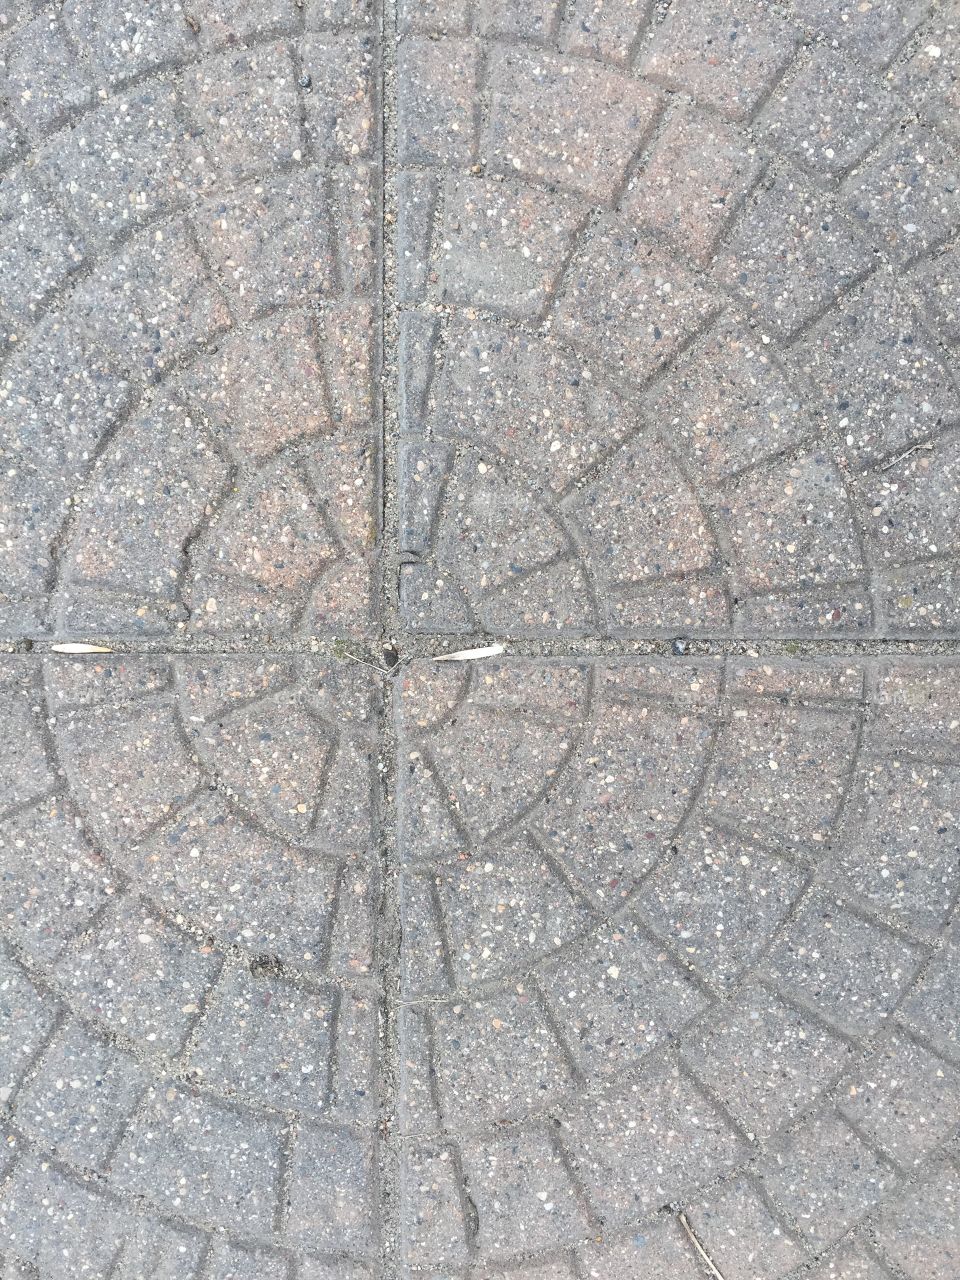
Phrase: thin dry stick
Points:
(383, 671)
(707, 1260)
(914, 448)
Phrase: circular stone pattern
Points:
(675, 934)
(545, 969)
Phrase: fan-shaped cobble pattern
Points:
(676, 933)
(667, 929)
(189, 223)
(678, 337)
(188, 895)
(331, 332)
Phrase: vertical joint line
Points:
(388, 927)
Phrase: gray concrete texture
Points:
(625, 335)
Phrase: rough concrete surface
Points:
(335, 336)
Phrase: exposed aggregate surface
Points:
(333, 336)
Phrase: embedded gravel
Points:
(621, 335)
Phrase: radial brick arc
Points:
(620, 335)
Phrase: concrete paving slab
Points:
(620, 336)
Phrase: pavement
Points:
(623, 335)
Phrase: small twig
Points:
(707, 1260)
(383, 671)
(914, 448)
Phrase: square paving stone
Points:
(810, 117)
(780, 770)
(183, 1149)
(536, 97)
(551, 415)
(741, 1234)
(919, 1232)
(789, 256)
(506, 18)
(911, 508)
(185, 208)
(182, 1084)
(726, 54)
(851, 970)
(227, 22)
(619, 996)
(452, 17)
(914, 707)
(827, 1178)
(80, 1100)
(340, 104)
(904, 1098)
